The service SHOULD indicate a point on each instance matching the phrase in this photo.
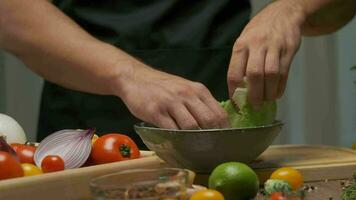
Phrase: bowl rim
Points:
(141, 125)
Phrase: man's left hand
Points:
(264, 51)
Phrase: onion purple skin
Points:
(4, 146)
(73, 146)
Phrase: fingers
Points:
(203, 115)
(237, 69)
(272, 74)
(166, 121)
(183, 117)
(199, 110)
(221, 116)
(255, 76)
(266, 73)
(284, 71)
(207, 110)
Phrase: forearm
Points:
(326, 16)
(55, 47)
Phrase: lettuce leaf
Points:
(246, 116)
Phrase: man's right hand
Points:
(169, 101)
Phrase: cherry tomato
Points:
(276, 196)
(292, 176)
(52, 163)
(15, 146)
(113, 147)
(30, 169)
(207, 195)
(25, 152)
(9, 166)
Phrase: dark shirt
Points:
(192, 39)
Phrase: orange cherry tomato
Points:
(208, 194)
(9, 166)
(113, 147)
(292, 176)
(52, 163)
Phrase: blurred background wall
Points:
(319, 105)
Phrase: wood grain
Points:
(70, 184)
(316, 163)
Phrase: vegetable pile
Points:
(65, 149)
(237, 181)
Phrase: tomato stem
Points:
(125, 151)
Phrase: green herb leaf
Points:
(349, 193)
(273, 185)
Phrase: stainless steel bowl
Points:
(203, 150)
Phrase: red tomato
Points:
(25, 152)
(113, 147)
(15, 146)
(9, 166)
(52, 164)
(276, 196)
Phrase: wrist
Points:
(298, 10)
(120, 76)
(125, 69)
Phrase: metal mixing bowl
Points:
(203, 150)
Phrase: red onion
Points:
(73, 146)
(4, 146)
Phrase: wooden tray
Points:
(70, 184)
(316, 163)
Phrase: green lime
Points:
(236, 181)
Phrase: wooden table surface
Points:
(330, 190)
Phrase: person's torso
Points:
(160, 24)
(192, 39)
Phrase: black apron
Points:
(192, 39)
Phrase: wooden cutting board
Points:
(70, 184)
(316, 163)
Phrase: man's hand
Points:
(266, 47)
(169, 101)
(264, 51)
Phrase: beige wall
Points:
(22, 95)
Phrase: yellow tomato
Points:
(94, 138)
(207, 195)
(30, 169)
(292, 176)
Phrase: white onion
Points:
(12, 130)
(73, 146)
